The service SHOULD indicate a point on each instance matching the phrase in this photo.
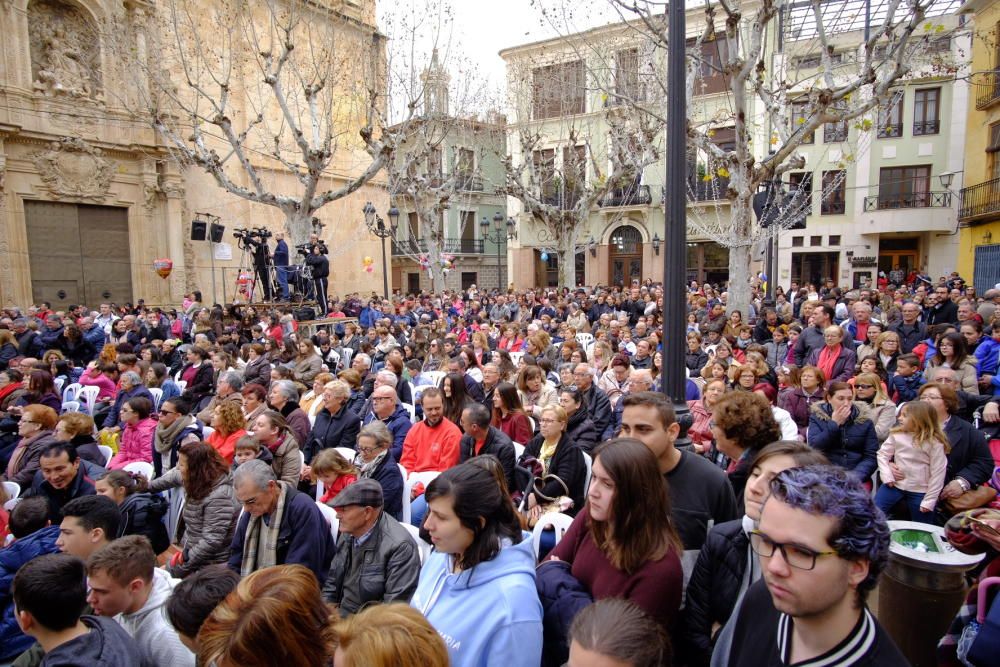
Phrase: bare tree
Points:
(560, 168)
(250, 90)
(771, 100)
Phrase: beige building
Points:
(89, 195)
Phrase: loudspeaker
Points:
(216, 231)
(198, 230)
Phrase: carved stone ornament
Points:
(74, 169)
(65, 50)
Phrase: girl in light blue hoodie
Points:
(478, 588)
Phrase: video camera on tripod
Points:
(252, 236)
(305, 249)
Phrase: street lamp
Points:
(675, 218)
(376, 226)
(656, 243)
(497, 236)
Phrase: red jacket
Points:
(426, 448)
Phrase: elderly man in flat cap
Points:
(377, 559)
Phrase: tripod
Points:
(247, 276)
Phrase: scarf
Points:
(827, 358)
(14, 466)
(368, 469)
(548, 450)
(164, 436)
(255, 558)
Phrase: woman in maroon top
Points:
(508, 414)
(625, 544)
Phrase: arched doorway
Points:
(625, 257)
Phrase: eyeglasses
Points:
(368, 450)
(249, 502)
(931, 397)
(549, 421)
(167, 412)
(864, 386)
(799, 557)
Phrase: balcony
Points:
(706, 191)
(897, 200)
(890, 131)
(980, 201)
(924, 127)
(453, 246)
(987, 89)
(562, 199)
(468, 183)
(630, 196)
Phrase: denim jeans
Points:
(887, 496)
(282, 272)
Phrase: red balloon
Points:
(163, 267)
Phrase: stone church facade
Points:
(89, 195)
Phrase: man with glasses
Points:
(279, 525)
(594, 399)
(822, 545)
(385, 407)
(910, 330)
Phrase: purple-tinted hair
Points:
(828, 490)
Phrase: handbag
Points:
(971, 499)
(560, 503)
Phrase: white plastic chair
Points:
(59, 382)
(13, 489)
(345, 357)
(182, 385)
(331, 518)
(409, 482)
(516, 357)
(70, 392)
(423, 548)
(435, 377)
(412, 410)
(589, 462)
(70, 406)
(347, 453)
(560, 523)
(141, 468)
(584, 339)
(207, 431)
(108, 453)
(518, 451)
(302, 461)
(320, 489)
(88, 395)
(157, 394)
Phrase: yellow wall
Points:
(983, 18)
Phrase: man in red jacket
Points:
(432, 444)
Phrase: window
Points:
(800, 116)
(798, 241)
(834, 192)
(834, 240)
(835, 132)
(993, 151)
(799, 194)
(466, 161)
(627, 75)
(469, 278)
(574, 173)
(558, 90)
(815, 240)
(814, 60)
(904, 187)
(926, 104)
(544, 163)
(712, 56)
(890, 117)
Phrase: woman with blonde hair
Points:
(869, 392)
(312, 401)
(388, 635)
(275, 616)
(600, 357)
(308, 363)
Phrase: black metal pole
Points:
(675, 215)
(385, 274)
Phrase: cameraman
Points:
(281, 259)
(320, 265)
(258, 247)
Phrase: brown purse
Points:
(971, 499)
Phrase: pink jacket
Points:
(136, 444)
(106, 384)
(923, 468)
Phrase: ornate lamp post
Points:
(376, 225)
(499, 234)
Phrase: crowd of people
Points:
(484, 478)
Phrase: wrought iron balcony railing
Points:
(895, 200)
(980, 201)
(453, 246)
(630, 196)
